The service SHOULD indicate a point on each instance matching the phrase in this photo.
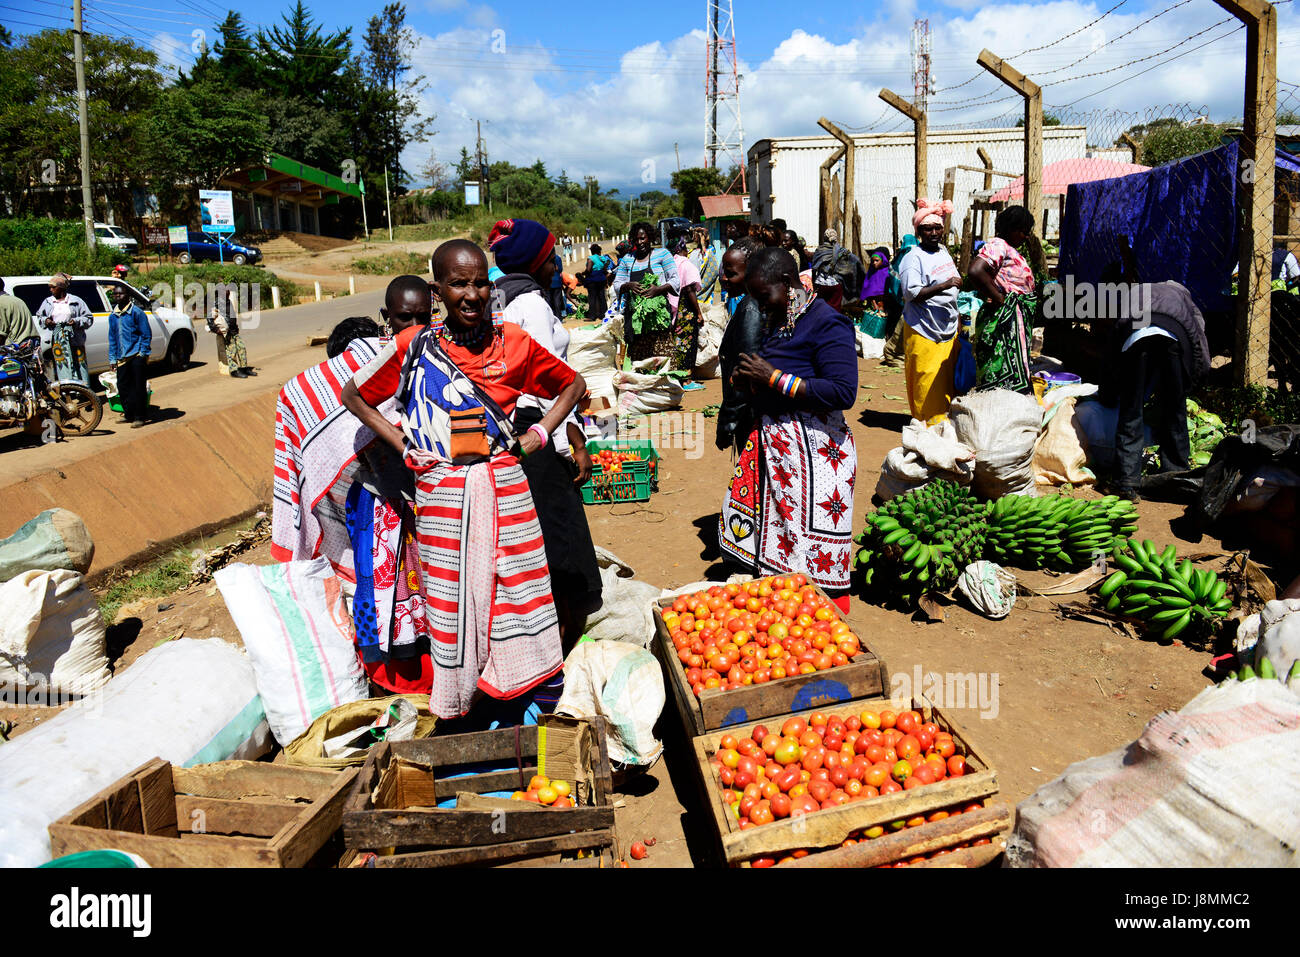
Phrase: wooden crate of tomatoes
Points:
(863, 784)
(739, 652)
(512, 796)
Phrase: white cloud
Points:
(539, 103)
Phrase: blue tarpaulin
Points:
(1179, 218)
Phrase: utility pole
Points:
(678, 154)
(79, 61)
(851, 232)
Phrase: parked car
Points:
(117, 237)
(173, 332)
(672, 225)
(215, 247)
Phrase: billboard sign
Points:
(216, 211)
(471, 194)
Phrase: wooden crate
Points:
(829, 828)
(392, 805)
(229, 814)
(864, 677)
(994, 821)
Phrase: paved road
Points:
(276, 347)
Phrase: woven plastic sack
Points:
(188, 701)
(646, 390)
(594, 354)
(297, 631)
(1061, 455)
(928, 452)
(707, 359)
(990, 589)
(1002, 427)
(308, 749)
(625, 611)
(52, 634)
(624, 683)
(1177, 797)
(56, 538)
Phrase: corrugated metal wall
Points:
(785, 173)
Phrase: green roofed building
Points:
(275, 192)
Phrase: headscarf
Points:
(873, 287)
(928, 211)
(61, 279)
(520, 245)
(622, 249)
(680, 245)
(831, 236)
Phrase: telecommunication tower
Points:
(724, 138)
(922, 81)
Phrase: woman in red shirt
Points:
(490, 619)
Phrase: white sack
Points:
(51, 634)
(625, 613)
(989, 588)
(188, 701)
(648, 391)
(927, 453)
(707, 362)
(594, 354)
(624, 683)
(868, 347)
(1002, 427)
(298, 633)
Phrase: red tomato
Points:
(908, 747)
(911, 783)
(887, 718)
(906, 723)
(956, 766)
(793, 728)
(780, 805)
(637, 851)
(762, 813)
(890, 787)
(925, 738)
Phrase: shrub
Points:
(42, 247)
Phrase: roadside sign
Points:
(156, 235)
(216, 211)
(471, 194)
(178, 234)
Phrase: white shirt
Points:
(531, 313)
(1139, 334)
(936, 317)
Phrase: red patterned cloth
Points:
(789, 508)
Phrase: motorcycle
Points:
(28, 395)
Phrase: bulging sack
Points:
(647, 391)
(624, 683)
(624, 613)
(56, 538)
(594, 354)
(51, 634)
(297, 631)
(1002, 427)
(928, 452)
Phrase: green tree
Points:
(389, 43)
(465, 168)
(299, 60)
(198, 134)
(692, 183)
(1167, 143)
(39, 123)
(1049, 119)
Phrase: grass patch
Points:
(160, 577)
(392, 264)
(1261, 404)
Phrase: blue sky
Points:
(607, 89)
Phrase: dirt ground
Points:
(1061, 691)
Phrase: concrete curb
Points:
(141, 497)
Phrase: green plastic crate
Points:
(634, 483)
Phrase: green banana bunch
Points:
(1168, 595)
(1055, 531)
(919, 542)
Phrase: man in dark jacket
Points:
(743, 336)
(1162, 351)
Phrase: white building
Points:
(784, 174)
